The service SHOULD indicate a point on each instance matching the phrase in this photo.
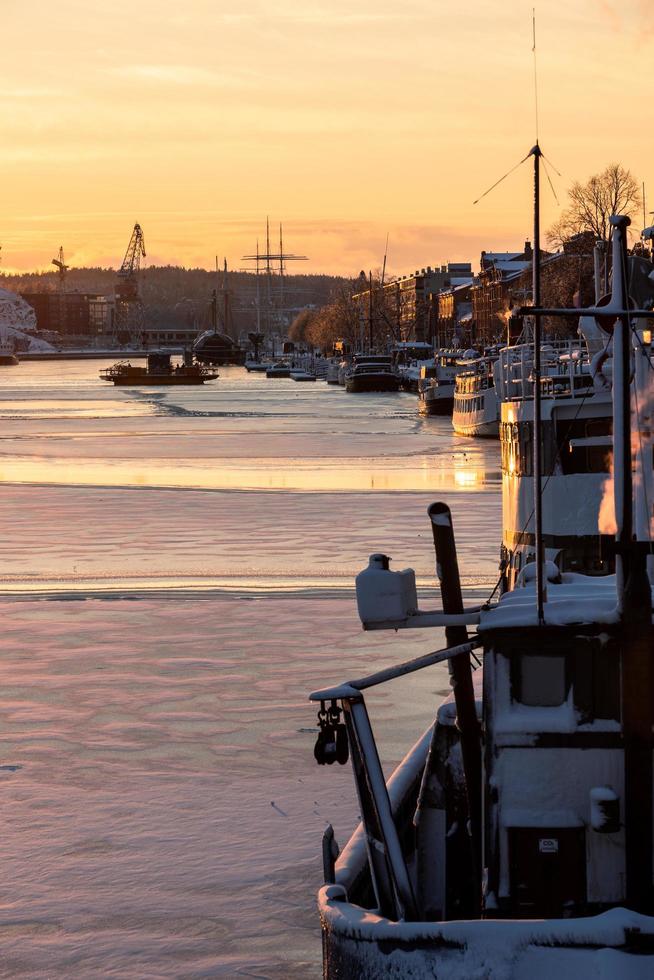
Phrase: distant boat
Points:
(280, 370)
(257, 366)
(159, 371)
(371, 372)
(213, 347)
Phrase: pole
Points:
(447, 570)
(541, 585)
(635, 604)
(370, 312)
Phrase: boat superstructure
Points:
(516, 840)
(576, 438)
(437, 380)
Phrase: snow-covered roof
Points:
(513, 265)
(575, 600)
(501, 256)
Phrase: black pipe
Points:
(447, 571)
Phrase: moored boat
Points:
(214, 347)
(371, 372)
(279, 370)
(476, 408)
(516, 840)
(436, 383)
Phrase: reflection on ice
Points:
(163, 813)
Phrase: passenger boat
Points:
(371, 372)
(436, 383)
(476, 408)
(158, 371)
(516, 839)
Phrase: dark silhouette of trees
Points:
(614, 191)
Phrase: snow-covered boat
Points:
(516, 840)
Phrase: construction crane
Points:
(128, 318)
(62, 269)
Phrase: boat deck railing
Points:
(391, 881)
(563, 360)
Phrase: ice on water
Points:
(193, 555)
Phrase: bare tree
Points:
(614, 191)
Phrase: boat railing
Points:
(389, 873)
(562, 359)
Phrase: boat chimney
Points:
(447, 571)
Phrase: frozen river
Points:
(177, 576)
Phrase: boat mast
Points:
(541, 583)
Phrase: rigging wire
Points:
(507, 174)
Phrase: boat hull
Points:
(435, 406)
(483, 429)
(153, 380)
(375, 382)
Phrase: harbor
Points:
(191, 582)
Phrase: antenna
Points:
(533, 24)
(384, 265)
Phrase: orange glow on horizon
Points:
(344, 123)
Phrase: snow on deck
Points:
(576, 600)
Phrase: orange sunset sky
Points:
(344, 120)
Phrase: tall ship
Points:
(516, 839)
(215, 346)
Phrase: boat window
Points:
(541, 680)
(580, 458)
(596, 681)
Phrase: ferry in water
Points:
(159, 370)
(516, 839)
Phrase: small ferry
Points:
(516, 839)
(159, 370)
